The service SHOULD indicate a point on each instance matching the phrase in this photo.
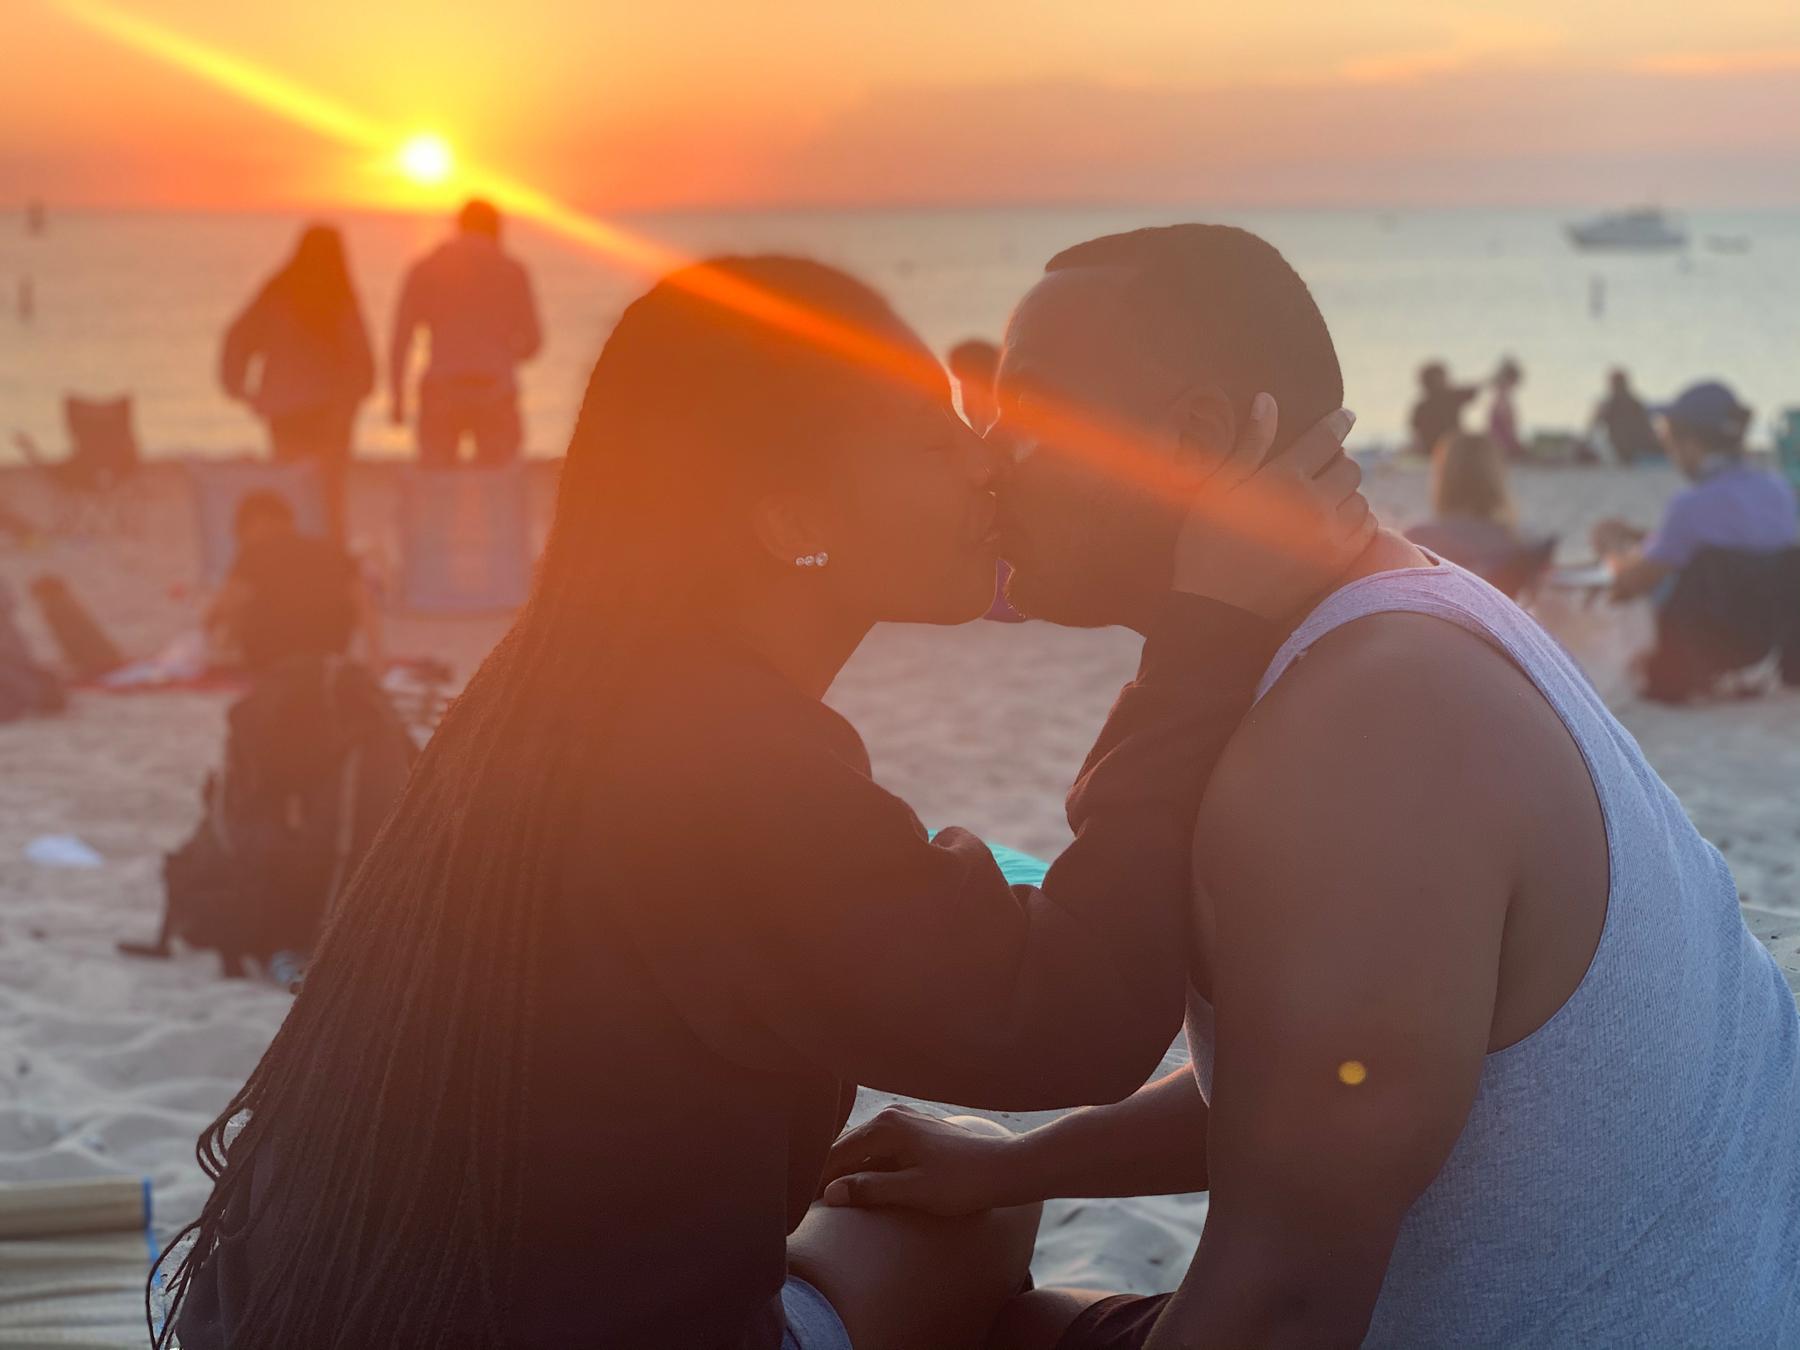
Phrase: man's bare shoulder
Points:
(1399, 730)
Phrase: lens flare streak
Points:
(1071, 429)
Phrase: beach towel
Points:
(74, 1257)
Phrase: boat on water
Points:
(1643, 228)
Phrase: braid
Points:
(378, 1150)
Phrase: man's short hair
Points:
(262, 507)
(479, 217)
(1228, 302)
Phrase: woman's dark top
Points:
(750, 927)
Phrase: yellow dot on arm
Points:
(1352, 1072)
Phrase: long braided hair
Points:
(376, 1153)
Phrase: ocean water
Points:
(136, 302)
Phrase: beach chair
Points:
(74, 1258)
(465, 544)
(1727, 612)
(218, 485)
(1521, 573)
(92, 485)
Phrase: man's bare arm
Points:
(1357, 843)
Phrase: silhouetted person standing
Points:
(1626, 422)
(476, 302)
(1438, 413)
(304, 336)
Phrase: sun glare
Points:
(426, 159)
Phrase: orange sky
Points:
(625, 103)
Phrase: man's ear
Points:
(1206, 425)
(787, 527)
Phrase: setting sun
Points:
(426, 159)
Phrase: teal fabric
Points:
(1019, 868)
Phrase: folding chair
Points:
(1521, 573)
(465, 540)
(92, 484)
(219, 485)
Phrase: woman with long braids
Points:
(303, 335)
(570, 1058)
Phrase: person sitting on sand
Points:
(1503, 411)
(1438, 413)
(1624, 422)
(290, 594)
(1474, 522)
(567, 1065)
(1483, 1051)
(1731, 504)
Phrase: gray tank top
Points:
(1630, 1172)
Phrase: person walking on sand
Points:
(303, 335)
(475, 301)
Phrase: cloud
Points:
(1708, 65)
(1470, 42)
(1477, 136)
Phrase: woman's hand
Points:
(906, 1158)
(1269, 535)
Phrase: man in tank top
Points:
(1483, 1051)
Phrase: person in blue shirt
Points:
(1730, 505)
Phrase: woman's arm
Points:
(243, 342)
(817, 923)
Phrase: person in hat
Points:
(1731, 504)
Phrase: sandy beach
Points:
(111, 1066)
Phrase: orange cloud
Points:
(1470, 43)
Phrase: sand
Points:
(108, 1065)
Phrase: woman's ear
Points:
(1206, 423)
(787, 528)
